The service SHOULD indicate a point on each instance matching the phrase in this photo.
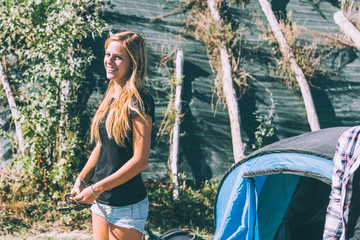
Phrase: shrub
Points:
(41, 45)
(42, 53)
(193, 210)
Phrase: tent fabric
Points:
(274, 198)
(232, 204)
(256, 193)
(318, 143)
(291, 163)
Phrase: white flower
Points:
(52, 73)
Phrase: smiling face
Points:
(117, 63)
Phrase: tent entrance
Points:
(291, 207)
(262, 189)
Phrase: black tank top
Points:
(112, 157)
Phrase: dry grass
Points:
(309, 47)
(351, 9)
(205, 29)
(166, 66)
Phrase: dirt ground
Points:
(53, 235)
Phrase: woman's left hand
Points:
(86, 196)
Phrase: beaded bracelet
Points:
(92, 189)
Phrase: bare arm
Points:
(135, 165)
(87, 171)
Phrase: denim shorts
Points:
(132, 216)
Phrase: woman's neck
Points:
(117, 90)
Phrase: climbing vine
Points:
(42, 49)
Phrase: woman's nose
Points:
(112, 59)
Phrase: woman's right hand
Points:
(87, 172)
(79, 186)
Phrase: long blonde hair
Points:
(117, 122)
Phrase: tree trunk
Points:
(348, 28)
(229, 91)
(64, 101)
(174, 156)
(14, 111)
(300, 77)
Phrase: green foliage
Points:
(193, 210)
(21, 208)
(166, 67)
(42, 51)
(167, 124)
(265, 129)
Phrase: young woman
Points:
(122, 129)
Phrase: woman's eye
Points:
(108, 55)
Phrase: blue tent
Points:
(280, 191)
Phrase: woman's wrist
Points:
(94, 192)
(98, 188)
(82, 181)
